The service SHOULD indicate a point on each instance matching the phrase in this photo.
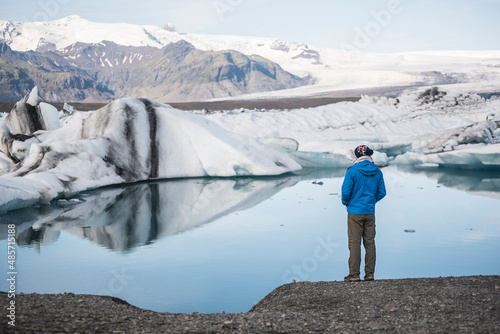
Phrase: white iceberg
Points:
(139, 139)
(30, 115)
(480, 157)
(126, 141)
(420, 121)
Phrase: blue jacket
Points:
(363, 187)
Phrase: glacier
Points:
(136, 139)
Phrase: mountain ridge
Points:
(324, 70)
(105, 71)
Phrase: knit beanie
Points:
(362, 150)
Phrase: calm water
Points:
(213, 245)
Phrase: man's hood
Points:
(366, 167)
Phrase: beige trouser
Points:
(361, 226)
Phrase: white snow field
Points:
(333, 70)
(131, 140)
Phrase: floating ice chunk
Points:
(450, 145)
(66, 202)
(380, 158)
(478, 132)
(20, 149)
(29, 116)
(33, 97)
(279, 143)
(410, 158)
(68, 109)
(50, 116)
(317, 159)
(332, 160)
(5, 138)
(20, 193)
(466, 157)
(5, 163)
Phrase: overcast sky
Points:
(366, 25)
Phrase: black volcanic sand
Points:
(216, 105)
(262, 104)
(423, 305)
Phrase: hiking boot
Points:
(369, 277)
(352, 278)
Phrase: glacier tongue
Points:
(126, 141)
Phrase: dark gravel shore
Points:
(217, 105)
(423, 305)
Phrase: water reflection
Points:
(485, 183)
(123, 218)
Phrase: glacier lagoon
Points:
(221, 244)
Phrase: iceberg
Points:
(480, 157)
(136, 139)
(30, 115)
(67, 109)
(419, 122)
(484, 132)
(318, 159)
(280, 144)
(128, 140)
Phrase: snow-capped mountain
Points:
(331, 70)
(105, 71)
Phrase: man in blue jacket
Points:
(362, 188)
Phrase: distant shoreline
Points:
(428, 305)
(285, 103)
(215, 105)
